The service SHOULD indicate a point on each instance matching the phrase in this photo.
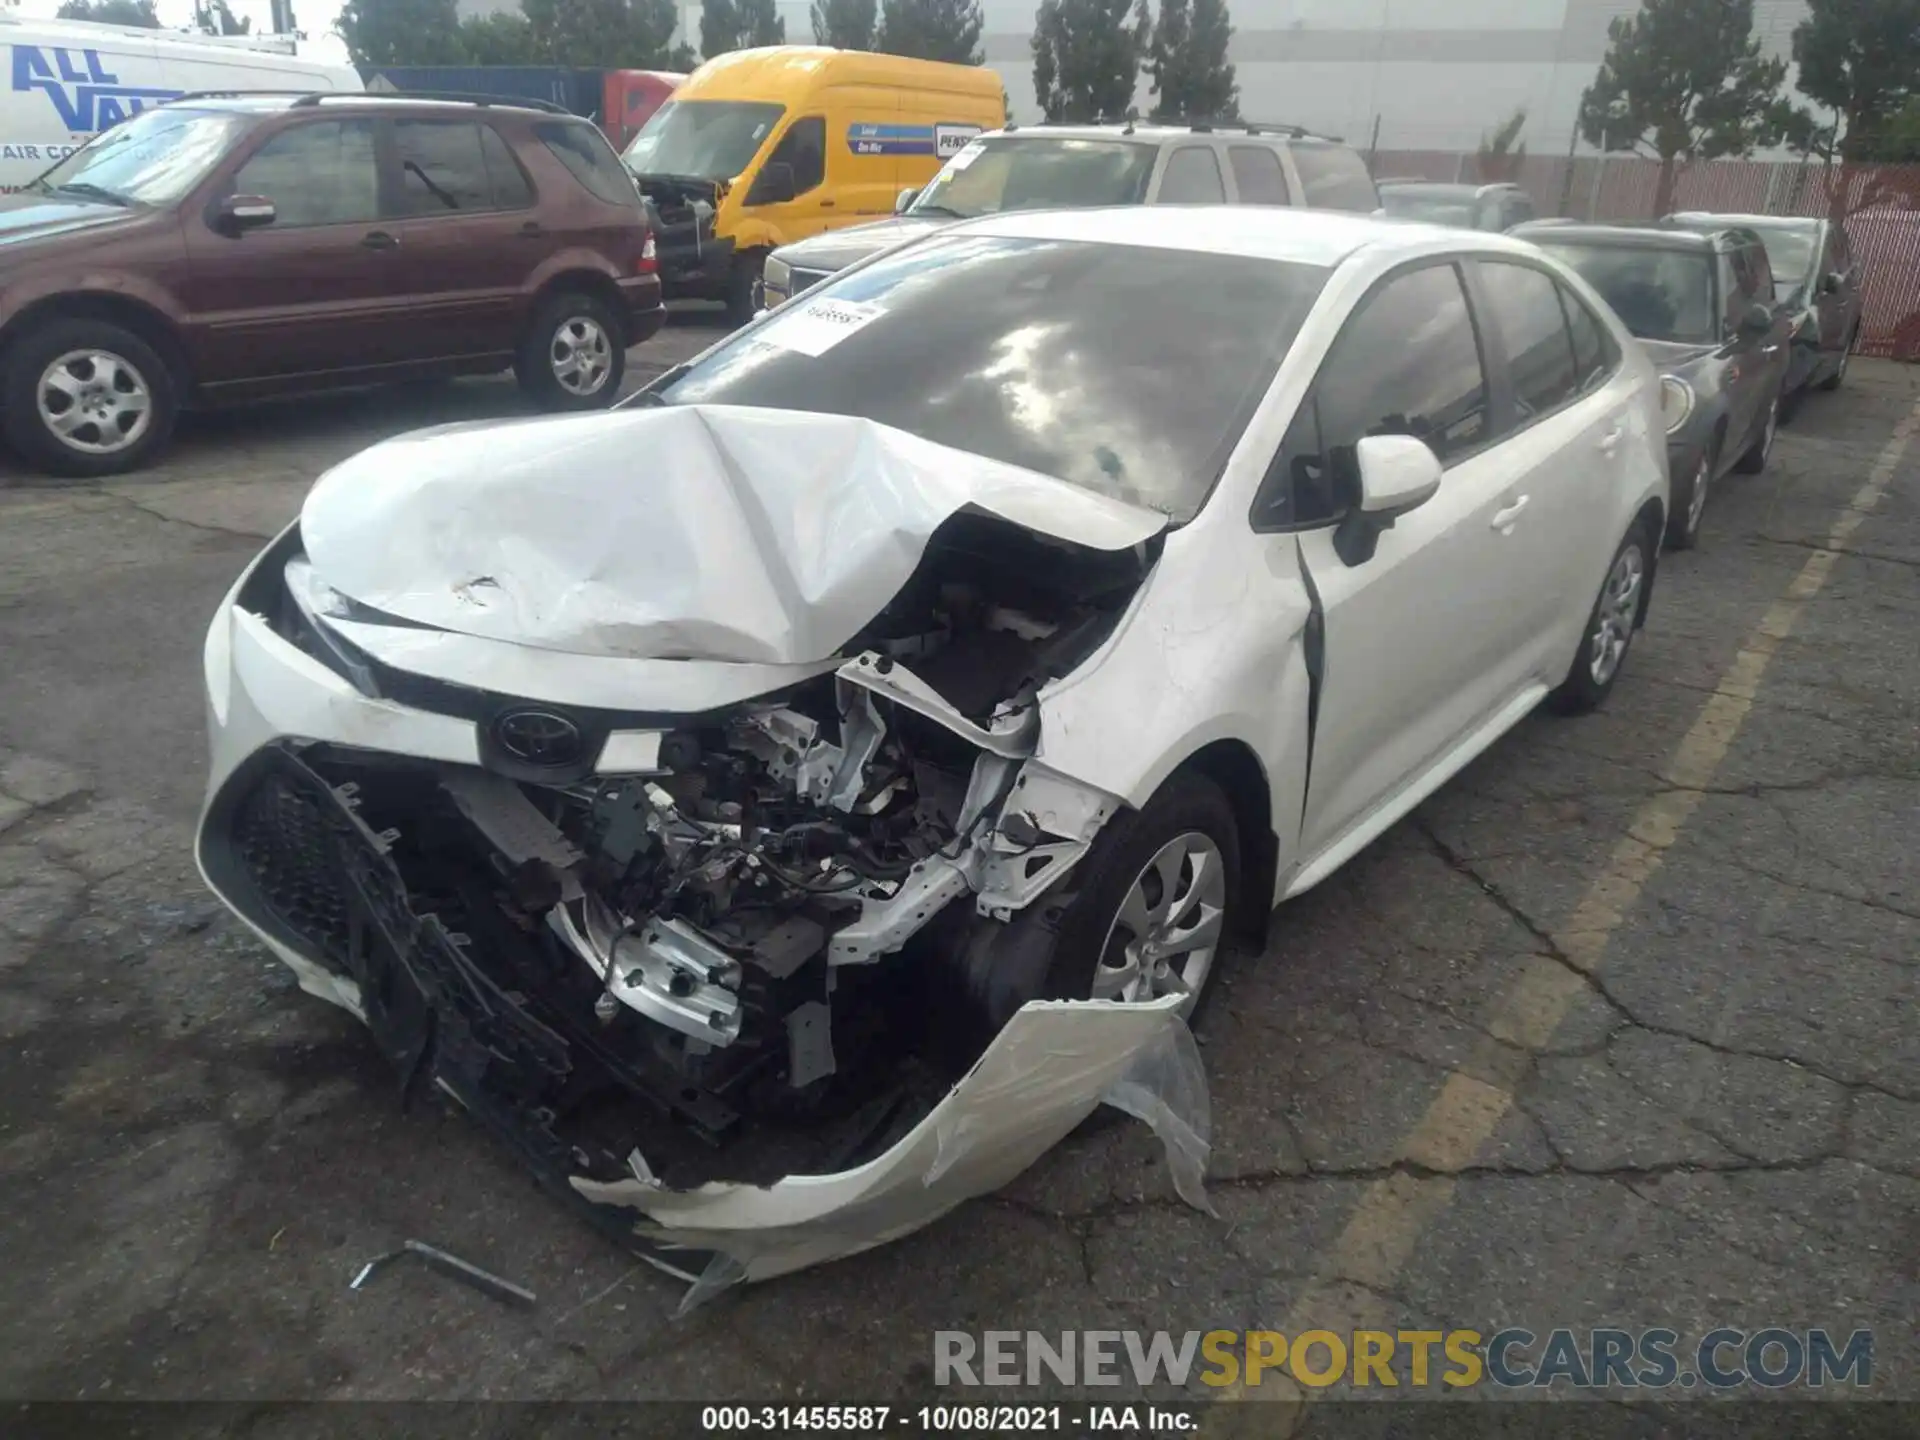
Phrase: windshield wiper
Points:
(94, 192)
(938, 210)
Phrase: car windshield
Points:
(1658, 294)
(1789, 253)
(1436, 209)
(710, 139)
(1038, 172)
(152, 159)
(1126, 370)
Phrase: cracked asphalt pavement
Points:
(1447, 1095)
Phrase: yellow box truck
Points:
(762, 147)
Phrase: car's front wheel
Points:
(1611, 625)
(1755, 458)
(1690, 501)
(1839, 376)
(573, 355)
(87, 398)
(1155, 894)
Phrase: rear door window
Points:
(590, 160)
(1525, 310)
(322, 172)
(1192, 177)
(443, 169)
(1407, 363)
(1257, 175)
(1333, 177)
(511, 188)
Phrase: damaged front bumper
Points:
(317, 871)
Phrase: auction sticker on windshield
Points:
(816, 326)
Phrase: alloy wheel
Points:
(581, 355)
(94, 402)
(1614, 616)
(1165, 937)
(1697, 502)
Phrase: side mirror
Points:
(903, 200)
(774, 185)
(1757, 321)
(1831, 283)
(1398, 474)
(239, 213)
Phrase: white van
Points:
(70, 79)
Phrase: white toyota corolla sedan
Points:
(786, 805)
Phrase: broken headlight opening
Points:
(768, 945)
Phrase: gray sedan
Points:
(1702, 304)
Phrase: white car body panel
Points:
(1469, 612)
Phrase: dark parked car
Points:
(1702, 303)
(1817, 278)
(229, 247)
(1499, 206)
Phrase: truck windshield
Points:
(152, 159)
(710, 139)
(1038, 173)
(1127, 370)
(1660, 294)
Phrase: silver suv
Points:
(1050, 167)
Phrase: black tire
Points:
(1683, 525)
(137, 366)
(743, 285)
(588, 332)
(1833, 381)
(1079, 919)
(1583, 690)
(1755, 459)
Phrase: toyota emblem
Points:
(538, 737)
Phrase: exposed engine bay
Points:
(781, 928)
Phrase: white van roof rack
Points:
(265, 44)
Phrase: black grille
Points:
(292, 857)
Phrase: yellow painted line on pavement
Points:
(1392, 1213)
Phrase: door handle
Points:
(1503, 518)
(379, 240)
(532, 230)
(1769, 349)
(1609, 443)
(828, 204)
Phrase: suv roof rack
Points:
(304, 98)
(1198, 124)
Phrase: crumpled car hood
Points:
(721, 533)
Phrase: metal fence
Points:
(1881, 206)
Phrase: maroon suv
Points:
(229, 247)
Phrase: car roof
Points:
(1644, 237)
(1270, 232)
(1707, 219)
(1161, 132)
(266, 102)
(1448, 187)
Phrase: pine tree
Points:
(931, 30)
(1187, 58)
(609, 34)
(401, 32)
(1684, 80)
(1503, 152)
(844, 24)
(1087, 56)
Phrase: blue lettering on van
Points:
(87, 95)
(943, 141)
